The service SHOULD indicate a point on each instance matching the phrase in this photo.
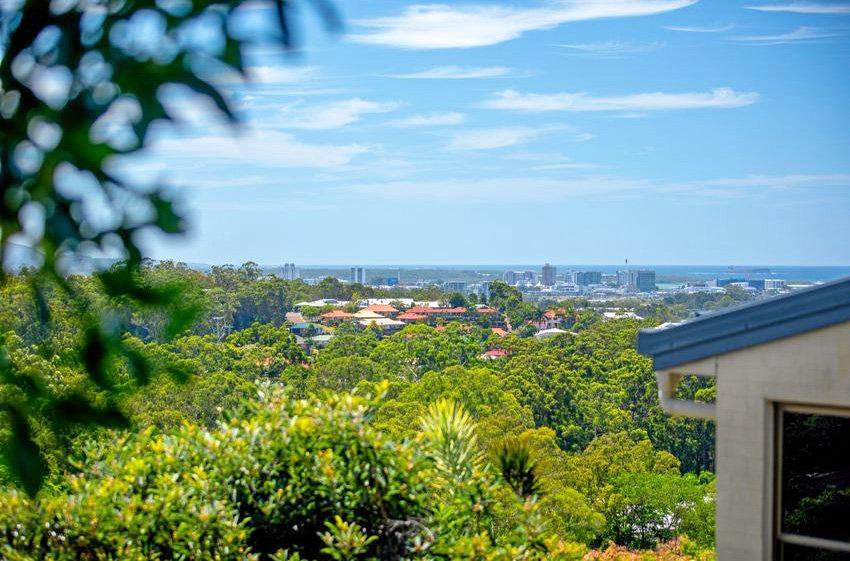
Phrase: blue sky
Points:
(665, 131)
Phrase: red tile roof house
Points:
(550, 320)
(492, 354)
(335, 316)
(383, 309)
(410, 317)
(490, 316)
(432, 314)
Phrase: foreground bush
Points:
(284, 479)
(680, 549)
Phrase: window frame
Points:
(778, 536)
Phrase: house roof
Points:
(381, 322)
(305, 325)
(486, 310)
(549, 332)
(381, 308)
(496, 352)
(367, 314)
(427, 310)
(748, 325)
(411, 316)
(337, 314)
(499, 331)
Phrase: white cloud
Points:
(790, 181)
(253, 148)
(431, 120)
(799, 35)
(700, 28)
(612, 49)
(488, 139)
(565, 165)
(268, 75)
(544, 190)
(333, 115)
(719, 98)
(455, 73)
(443, 26)
(545, 161)
(500, 190)
(804, 8)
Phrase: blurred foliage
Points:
(82, 82)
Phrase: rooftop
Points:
(411, 316)
(748, 325)
(381, 308)
(337, 314)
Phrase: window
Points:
(812, 484)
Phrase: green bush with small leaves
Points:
(283, 479)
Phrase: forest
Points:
(203, 442)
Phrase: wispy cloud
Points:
(268, 75)
(498, 190)
(720, 98)
(253, 148)
(443, 26)
(544, 190)
(611, 49)
(804, 8)
(333, 115)
(456, 73)
(700, 28)
(431, 120)
(790, 181)
(799, 35)
(548, 161)
(563, 166)
(499, 137)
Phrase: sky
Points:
(662, 131)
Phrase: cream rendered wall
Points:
(811, 369)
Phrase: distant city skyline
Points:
(665, 131)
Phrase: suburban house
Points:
(336, 316)
(782, 413)
(383, 309)
(306, 329)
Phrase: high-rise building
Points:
(645, 281)
(458, 286)
(585, 278)
(548, 276)
(519, 277)
(638, 280)
(358, 275)
(290, 272)
(775, 284)
(484, 290)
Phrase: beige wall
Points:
(812, 369)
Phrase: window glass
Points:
(799, 553)
(816, 477)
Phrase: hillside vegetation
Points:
(244, 445)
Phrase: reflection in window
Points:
(814, 486)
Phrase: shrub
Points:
(282, 479)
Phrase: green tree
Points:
(52, 139)
(457, 300)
